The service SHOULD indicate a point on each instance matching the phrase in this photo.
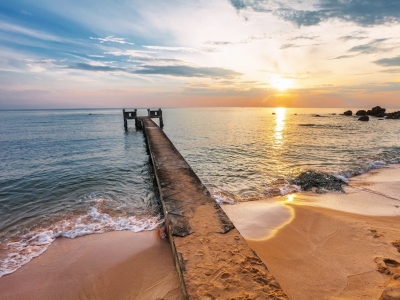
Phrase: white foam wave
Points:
(342, 178)
(223, 199)
(281, 189)
(36, 242)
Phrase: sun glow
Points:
(281, 84)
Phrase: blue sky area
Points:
(314, 53)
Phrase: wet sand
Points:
(332, 246)
(115, 265)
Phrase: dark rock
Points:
(393, 115)
(348, 113)
(377, 111)
(363, 118)
(361, 113)
(320, 181)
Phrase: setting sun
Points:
(281, 84)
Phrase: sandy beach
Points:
(331, 246)
(114, 265)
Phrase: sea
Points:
(69, 173)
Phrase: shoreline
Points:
(113, 265)
(334, 245)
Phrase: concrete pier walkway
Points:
(212, 258)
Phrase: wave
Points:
(33, 244)
(317, 181)
(322, 126)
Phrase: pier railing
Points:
(132, 115)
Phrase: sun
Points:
(281, 84)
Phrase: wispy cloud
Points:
(286, 46)
(389, 62)
(304, 37)
(113, 39)
(37, 34)
(130, 53)
(89, 67)
(357, 35)
(344, 56)
(167, 70)
(187, 71)
(164, 48)
(374, 46)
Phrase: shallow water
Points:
(248, 153)
(75, 172)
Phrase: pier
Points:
(132, 115)
(212, 258)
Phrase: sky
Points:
(193, 53)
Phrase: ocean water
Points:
(74, 172)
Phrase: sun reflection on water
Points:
(280, 113)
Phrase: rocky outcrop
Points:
(363, 118)
(361, 113)
(393, 115)
(348, 113)
(377, 111)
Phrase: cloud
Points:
(344, 56)
(187, 71)
(130, 53)
(393, 71)
(219, 43)
(389, 62)
(15, 29)
(361, 12)
(112, 39)
(171, 48)
(89, 67)
(351, 37)
(304, 37)
(372, 47)
(168, 70)
(286, 46)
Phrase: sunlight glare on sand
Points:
(290, 197)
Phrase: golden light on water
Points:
(280, 113)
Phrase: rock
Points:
(361, 113)
(377, 111)
(348, 113)
(320, 181)
(393, 115)
(363, 118)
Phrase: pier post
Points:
(130, 115)
(156, 114)
(161, 119)
(125, 121)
